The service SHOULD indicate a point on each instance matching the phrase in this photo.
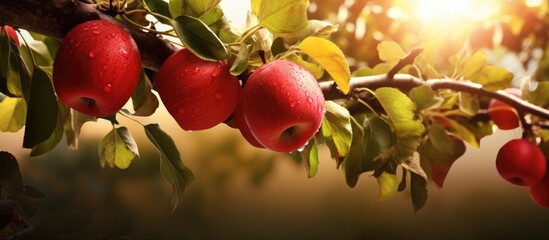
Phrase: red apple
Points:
(540, 191)
(198, 94)
(97, 68)
(11, 32)
(521, 162)
(503, 115)
(240, 122)
(283, 105)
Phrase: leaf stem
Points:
(251, 31)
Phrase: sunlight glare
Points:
(453, 11)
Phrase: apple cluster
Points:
(280, 107)
(522, 163)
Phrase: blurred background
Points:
(241, 192)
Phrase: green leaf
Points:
(40, 53)
(10, 175)
(175, 7)
(241, 61)
(118, 148)
(408, 128)
(539, 96)
(159, 7)
(212, 16)
(282, 16)
(473, 64)
(14, 74)
(197, 8)
(369, 141)
(42, 110)
(144, 101)
(73, 123)
(388, 185)
(314, 68)
(470, 131)
(493, 78)
(171, 165)
(199, 38)
(13, 112)
(418, 191)
(315, 28)
(468, 103)
(54, 138)
(337, 124)
(425, 98)
(439, 152)
(390, 52)
(329, 56)
(310, 156)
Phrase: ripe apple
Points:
(540, 191)
(521, 162)
(97, 68)
(283, 105)
(503, 115)
(11, 32)
(240, 122)
(198, 94)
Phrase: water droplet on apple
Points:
(111, 36)
(181, 110)
(86, 29)
(196, 70)
(107, 88)
(91, 54)
(96, 32)
(310, 99)
(292, 104)
(124, 52)
(105, 67)
(303, 147)
(95, 27)
(218, 95)
(217, 70)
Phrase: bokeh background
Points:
(245, 193)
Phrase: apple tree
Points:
(290, 80)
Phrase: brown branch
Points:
(54, 18)
(406, 82)
(403, 62)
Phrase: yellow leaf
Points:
(388, 185)
(329, 56)
(13, 113)
(390, 52)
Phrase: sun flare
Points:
(453, 11)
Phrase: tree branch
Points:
(55, 18)
(406, 82)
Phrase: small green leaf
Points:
(159, 7)
(118, 148)
(54, 138)
(13, 112)
(329, 56)
(199, 38)
(390, 52)
(144, 101)
(493, 78)
(14, 74)
(42, 110)
(418, 191)
(337, 123)
(400, 110)
(171, 165)
(468, 103)
(212, 16)
(388, 185)
(274, 15)
(40, 53)
(424, 97)
(241, 61)
(310, 156)
(369, 141)
(439, 152)
(176, 8)
(539, 96)
(73, 123)
(474, 64)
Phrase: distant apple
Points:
(503, 115)
(11, 32)
(283, 105)
(521, 162)
(97, 68)
(198, 94)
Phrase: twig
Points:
(403, 62)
